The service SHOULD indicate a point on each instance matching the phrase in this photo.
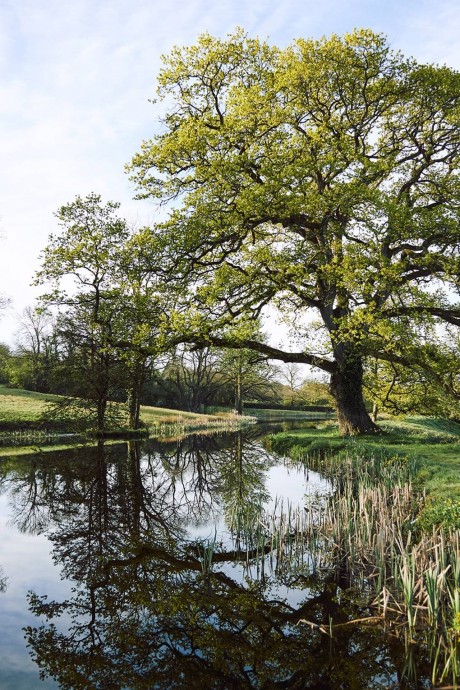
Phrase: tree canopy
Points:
(322, 179)
(112, 310)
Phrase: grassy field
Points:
(433, 443)
(23, 406)
(21, 433)
(26, 407)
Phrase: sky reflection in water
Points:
(169, 581)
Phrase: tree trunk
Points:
(375, 412)
(134, 394)
(238, 390)
(101, 410)
(347, 389)
(134, 407)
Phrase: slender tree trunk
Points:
(134, 395)
(238, 389)
(134, 408)
(347, 389)
(100, 382)
(101, 410)
(375, 412)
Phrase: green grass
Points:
(152, 415)
(23, 406)
(433, 443)
(26, 406)
(20, 409)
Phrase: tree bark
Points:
(347, 388)
(238, 389)
(134, 394)
(375, 412)
(101, 410)
(134, 406)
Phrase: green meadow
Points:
(23, 426)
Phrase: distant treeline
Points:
(286, 406)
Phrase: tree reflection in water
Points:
(3, 581)
(148, 610)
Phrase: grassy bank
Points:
(23, 408)
(366, 528)
(22, 421)
(266, 414)
(434, 445)
(397, 548)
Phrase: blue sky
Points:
(76, 78)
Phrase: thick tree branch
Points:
(232, 344)
(448, 315)
(269, 351)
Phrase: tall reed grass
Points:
(27, 437)
(177, 426)
(367, 529)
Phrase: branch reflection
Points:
(161, 599)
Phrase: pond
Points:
(178, 565)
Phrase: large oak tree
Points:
(320, 178)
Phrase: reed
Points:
(205, 552)
(431, 581)
(180, 426)
(27, 437)
(368, 527)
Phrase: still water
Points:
(148, 566)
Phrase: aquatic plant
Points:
(367, 530)
(26, 437)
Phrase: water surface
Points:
(157, 566)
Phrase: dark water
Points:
(152, 566)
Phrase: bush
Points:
(440, 512)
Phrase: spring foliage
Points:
(321, 178)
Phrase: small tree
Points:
(114, 315)
(36, 346)
(249, 375)
(5, 358)
(192, 378)
(291, 376)
(87, 252)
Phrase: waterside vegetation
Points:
(432, 445)
(369, 568)
(371, 528)
(391, 526)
